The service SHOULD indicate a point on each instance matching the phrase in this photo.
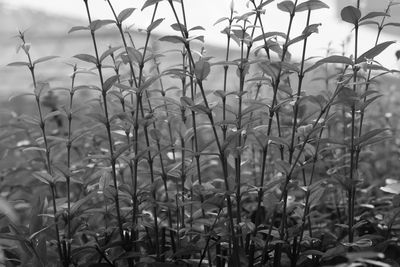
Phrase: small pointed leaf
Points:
(373, 52)
(374, 14)
(173, 39)
(97, 24)
(108, 52)
(150, 3)
(110, 82)
(124, 14)
(18, 64)
(311, 5)
(78, 28)
(202, 69)
(286, 6)
(43, 59)
(154, 25)
(331, 59)
(186, 101)
(86, 58)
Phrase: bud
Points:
(232, 6)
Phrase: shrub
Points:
(160, 167)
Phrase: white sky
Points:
(206, 12)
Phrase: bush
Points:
(158, 166)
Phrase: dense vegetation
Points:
(152, 165)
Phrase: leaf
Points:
(178, 26)
(286, 6)
(104, 181)
(186, 101)
(108, 52)
(269, 34)
(8, 210)
(155, 134)
(195, 28)
(12, 97)
(110, 82)
(220, 20)
(296, 39)
(373, 52)
(78, 204)
(150, 3)
(43, 59)
(30, 119)
(347, 97)
(78, 28)
(173, 39)
(351, 14)
(200, 109)
(374, 14)
(310, 29)
(331, 59)
(311, 5)
(134, 54)
(367, 136)
(18, 64)
(44, 177)
(394, 24)
(368, 22)
(316, 195)
(36, 221)
(202, 69)
(52, 114)
(97, 117)
(264, 3)
(362, 243)
(353, 256)
(270, 69)
(391, 188)
(99, 23)
(86, 58)
(154, 25)
(124, 14)
(40, 87)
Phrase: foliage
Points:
(155, 166)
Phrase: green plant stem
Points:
(353, 148)
(206, 248)
(367, 83)
(224, 127)
(119, 26)
(308, 192)
(269, 131)
(47, 151)
(68, 176)
(135, 116)
(294, 126)
(223, 159)
(108, 126)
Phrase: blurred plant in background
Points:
(259, 159)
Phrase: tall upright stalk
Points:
(353, 148)
(42, 125)
(223, 159)
(368, 79)
(272, 112)
(107, 124)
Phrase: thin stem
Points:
(107, 125)
(49, 169)
(353, 163)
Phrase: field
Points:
(126, 148)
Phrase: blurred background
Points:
(47, 22)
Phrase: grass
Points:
(157, 165)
